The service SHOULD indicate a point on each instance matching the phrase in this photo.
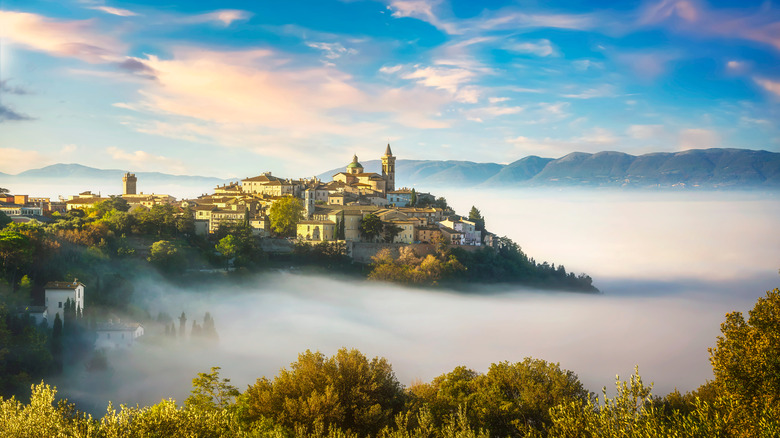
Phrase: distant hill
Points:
(702, 168)
(69, 179)
(696, 168)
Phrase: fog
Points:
(669, 265)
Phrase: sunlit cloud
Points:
(225, 16)
(646, 132)
(592, 140)
(769, 85)
(332, 50)
(694, 17)
(697, 138)
(422, 10)
(15, 159)
(114, 11)
(541, 47)
(77, 39)
(143, 160)
(490, 112)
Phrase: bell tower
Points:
(388, 169)
(129, 181)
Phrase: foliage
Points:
(346, 391)
(390, 232)
(167, 256)
(4, 220)
(370, 227)
(285, 214)
(209, 392)
(746, 358)
(410, 269)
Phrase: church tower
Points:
(388, 169)
(129, 181)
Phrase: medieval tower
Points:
(128, 182)
(388, 169)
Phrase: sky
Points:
(235, 88)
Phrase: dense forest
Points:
(350, 395)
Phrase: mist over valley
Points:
(669, 265)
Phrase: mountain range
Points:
(695, 168)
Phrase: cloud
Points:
(513, 20)
(593, 140)
(648, 64)
(146, 161)
(259, 101)
(8, 89)
(541, 47)
(332, 50)
(769, 85)
(421, 10)
(136, 67)
(605, 90)
(698, 139)
(586, 64)
(647, 132)
(60, 38)
(225, 17)
(16, 159)
(390, 69)
(114, 11)
(761, 25)
(449, 79)
(9, 115)
(479, 114)
(497, 99)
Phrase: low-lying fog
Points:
(670, 265)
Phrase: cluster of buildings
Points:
(112, 334)
(350, 196)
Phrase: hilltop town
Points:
(332, 210)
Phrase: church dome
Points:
(354, 164)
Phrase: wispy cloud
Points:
(452, 80)
(12, 89)
(9, 115)
(77, 39)
(490, 112)
(332, 50)
(15, 159)
(692, 16)
(146, 161)
(421, 10)
(224, 16)
(769, 85)
(541, 47)
(605, 90)
(593, 140)
(114, 11)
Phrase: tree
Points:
(285, 214)
(4, 220)
(746, 359)
(390, 232)
(211, 393)
(228, 247)
(370, 226)
(413, 198)
(476, 217)
(346, 391)
(167, 256)
(441, 202)
(182, 325)
(341, 232)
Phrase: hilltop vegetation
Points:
(349, 395)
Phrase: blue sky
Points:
(234, 88)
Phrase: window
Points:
(60, 304)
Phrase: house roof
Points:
(63, 285)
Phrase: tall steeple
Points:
(388, 169)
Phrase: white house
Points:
(57, 293)
(471, 236)
(116, 334)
